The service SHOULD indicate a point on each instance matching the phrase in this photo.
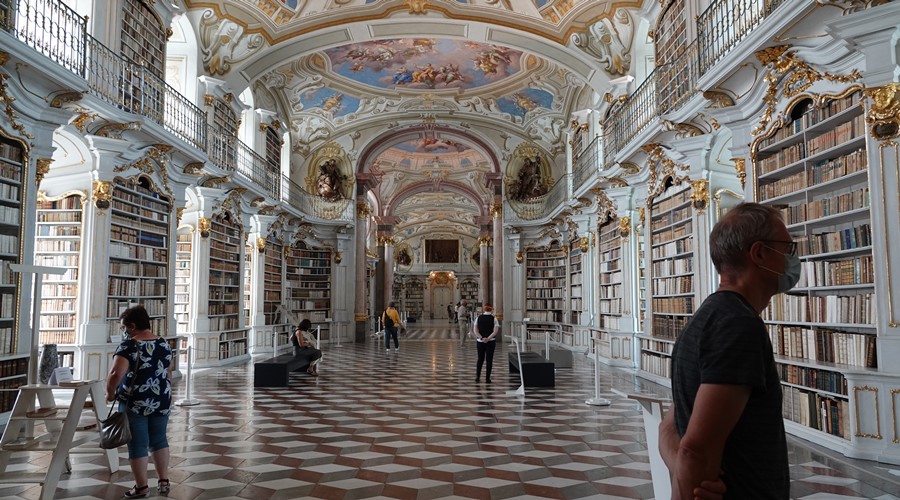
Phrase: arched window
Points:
(143, 37)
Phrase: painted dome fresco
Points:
(424, 63)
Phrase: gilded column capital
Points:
(700, 194)
(624, 227)
(496, 210)
(43, 167)
(486, 241)
(261, 245)
(740, 167)
(363, 210)
(204, 225)
(384, 241)
(884, 114)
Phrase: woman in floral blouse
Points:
(140, 379)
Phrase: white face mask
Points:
(791, 275)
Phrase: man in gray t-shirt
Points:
(726, 421)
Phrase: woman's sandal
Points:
(137, 491)
(162, 486)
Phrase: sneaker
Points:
(388, 349)
(397, 349)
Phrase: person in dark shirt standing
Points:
(726, 419)
(486, 328)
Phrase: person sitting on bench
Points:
(305, 346)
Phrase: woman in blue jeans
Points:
(140, 378)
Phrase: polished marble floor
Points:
(414, 424)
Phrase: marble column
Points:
(362, 216)
(484, 285)
(387, 291)
(496, 214)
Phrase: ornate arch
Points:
(423, 187)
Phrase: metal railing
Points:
(725, 23)
(50, 27)
(586, 164)
(253, 167)
(631, 119)
(557, 195)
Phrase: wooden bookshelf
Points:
(273, 280)
(414, 306)
(575, 283)
(138, 253)
(545, 283)
(468, 291)
(670, 254)
(309, 284)
(13, 367)
(182, 302)
(58, 244)
(814, 169)
(225, 286)
(610, 292)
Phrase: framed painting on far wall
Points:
(442, 251)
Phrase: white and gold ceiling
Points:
(428, 96)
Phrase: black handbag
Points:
(114, 431)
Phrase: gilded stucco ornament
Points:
(661, 168)
(363, 210)
(496, 210)
(740, 167)
(700, 194)
(884, 114)
(154, 161)
(417, 6)
(851, 6)
(261, 245)
(102, 193)
(520, 257)
(43, 167)
(629, 168)
(82, 121)
(682, 130)
(609, 41)
(606, 208)
(624, 227)
(204, 225)
(717, 100)
(179, 213)
(61, 99)
(8, 100)
(485, 241)
(384, 241)
(793, 74)
(338, 257)
(115, 130)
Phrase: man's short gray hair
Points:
(741, 227)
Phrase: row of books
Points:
(610, 265)
(220, 308)
(841, 166)
(667, 327)
(7, 276)
(70, 274)
(545, 316)
(9, 192)
(61, 320)
(547, 292)
(71, 203)
(846, 309)
(56, 230)
(55, 246)
(844, 239)
(228, 246)
(232, 336)
(838, 135)
(814, 378)
(610, 322)
(122, 251)
(611, 254)
(819, 344)
(7, 305)
(225, 266)
(68, 217)
(126, 287)
(669, 267)
(154, 307)
(220, 294)
(613, 306)
(143, 213)
(536, 283)
(657, 346)
(59, 290)
(673, 248)
(611, 278)
(10, 172)
(324, 285)
(8, 389)
(66, 337)
(131, 223)
(145, 200)
(657, 365)
(10, 152)
(232, 349)
(673, 305)
(56, 261)
(674, 233)
(671, 286)
(575, 279)
(139, 269)
(817, 411)
(787, 156)
(309, 304)
(222, 323)
(9, 215)
(664, 219)
(306, 271)
(611, 292)
(671, 202)
(826, 207)
(855, 271)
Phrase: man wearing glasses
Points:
(726, 419)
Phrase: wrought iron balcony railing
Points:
(586, 164)
(50, 27)
(253, 167)
(677, 82)
(725, 23)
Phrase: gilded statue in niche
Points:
(529, 182)
(330, 181)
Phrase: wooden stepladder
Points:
(66, 429)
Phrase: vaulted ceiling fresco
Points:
(424, 63)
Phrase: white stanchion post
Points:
(525, 331)
(331, 329)
(547, 345)
(597, 400)
(275, 344)
(521, 390)
(187, 401)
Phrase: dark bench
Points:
(273, 372)
(536, 370)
